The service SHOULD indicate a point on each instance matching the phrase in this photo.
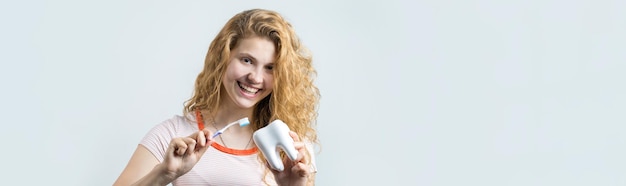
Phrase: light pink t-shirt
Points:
(218, 166)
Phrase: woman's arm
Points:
(143, 169)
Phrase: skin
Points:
(250, 65)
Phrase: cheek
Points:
(270, 82)
(232, 72)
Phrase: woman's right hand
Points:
(183, 153)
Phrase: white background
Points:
(478, 92)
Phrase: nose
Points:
(255, 77)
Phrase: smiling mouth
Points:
(247, 89)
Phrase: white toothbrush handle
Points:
(224, 129)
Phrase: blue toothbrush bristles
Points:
(244, 122)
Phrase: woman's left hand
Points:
(296, 172)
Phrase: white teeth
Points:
(248, 89)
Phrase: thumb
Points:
(207, 134)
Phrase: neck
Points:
(226, 114)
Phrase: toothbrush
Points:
(242, 123)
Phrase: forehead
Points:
(260, 48)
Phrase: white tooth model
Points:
(272, 137)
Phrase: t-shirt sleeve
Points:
(158, 138)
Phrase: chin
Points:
(246, 104)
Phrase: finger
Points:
(301, 169)
(206, 138)
(299, 145)
(201, 139)
(294, 135)
(178, 146)
(302, 152)
(202, 149)
(171, 148)
(191, 145)
(207, 135)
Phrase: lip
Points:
(246, 94)
(248, 85)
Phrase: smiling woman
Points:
(255, 68)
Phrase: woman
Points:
(255, 68)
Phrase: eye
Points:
(246, 60)
(269, 67)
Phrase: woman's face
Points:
(249, 78)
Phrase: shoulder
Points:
(175, 126)
(179, 124)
